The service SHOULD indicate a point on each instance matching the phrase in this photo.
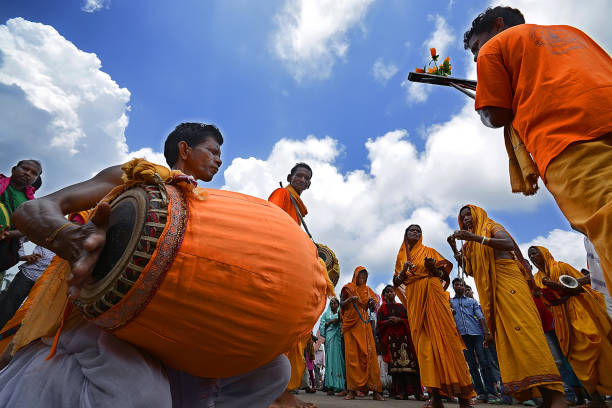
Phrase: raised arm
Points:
(501, 240)
(43, 222)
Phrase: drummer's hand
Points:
(353, 298)
(85, 244)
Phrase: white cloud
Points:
(440, 39)
(90, 6)
(383, 72)
(57, 105)
(312, 34)
(566, 246)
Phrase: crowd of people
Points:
(537, 336)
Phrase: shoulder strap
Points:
(297, 210)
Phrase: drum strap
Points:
(297, 210)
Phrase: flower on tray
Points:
(443, 69)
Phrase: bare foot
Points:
(377, 396)
(288, 400)
(350, 395)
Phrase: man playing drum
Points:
(93, 367)
(552, 84)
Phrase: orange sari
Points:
(511, 315)
(438, 345)
(362, 372)
(583, 328)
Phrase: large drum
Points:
(214, 287)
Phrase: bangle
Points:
(55, 233)
(484, 241)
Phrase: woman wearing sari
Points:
(330, 329)
(398, 351)
(418, 273)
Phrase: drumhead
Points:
(137, 219)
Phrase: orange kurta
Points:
(511, 315)
(526, 67)
(282, 198)
(583, 328)
(362, 372)
(434, 332)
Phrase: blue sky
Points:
(282, 86)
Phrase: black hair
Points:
(298, 165)
(485, 20)
(387, 287)
(192, 133)
(458, 280)
(37, 183)
(20, 162)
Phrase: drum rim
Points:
(91, 292)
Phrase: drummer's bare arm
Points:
(494, 117)
(42, 220)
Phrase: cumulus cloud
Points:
(58, 106)
(90, 6)
(440, 39)
(312, 34)
(383, 72)
(362, 213)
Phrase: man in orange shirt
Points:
(288, 198)
(553, 85)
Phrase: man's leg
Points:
(16, 293)
(257, 388)
(485, 365)
(470, 358)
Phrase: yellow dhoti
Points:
(298, 364)
(580, 180)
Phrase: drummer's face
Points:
(204, 160)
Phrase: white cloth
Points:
(34, 270)
(92, 369)
(593, 264)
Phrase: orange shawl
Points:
(351, 314)
(282, 198)
(417, 256)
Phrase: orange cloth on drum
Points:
(298, 364)
(246, 282)
(362, 370)
(583, 328)
(511, 315)
(580, 180)
(434, 332)
(282, 198)
(555, 79)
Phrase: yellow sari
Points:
(437, 342)
(511, 315)
(583, 328)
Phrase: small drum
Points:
(331, 262)
(214, 287)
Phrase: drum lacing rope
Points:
(162, 188)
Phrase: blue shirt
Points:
(468, 316)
